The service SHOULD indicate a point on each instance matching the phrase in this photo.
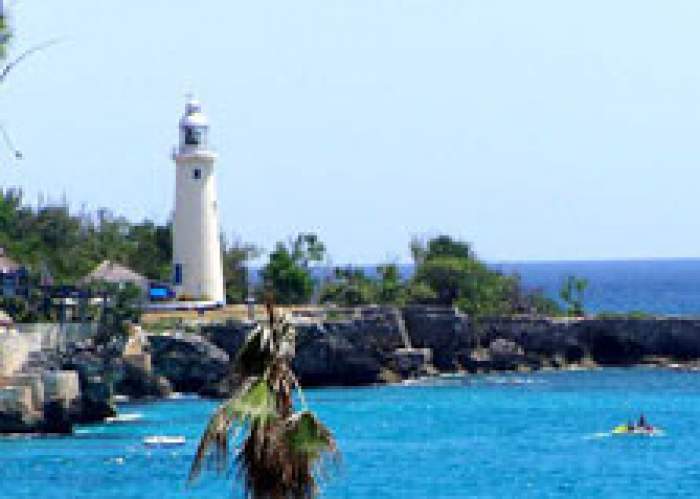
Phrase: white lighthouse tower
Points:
(197, 268)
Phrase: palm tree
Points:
(4, 31)
(280, 451)
(6, 67)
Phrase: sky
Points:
(538, 130)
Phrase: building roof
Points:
(115, 273)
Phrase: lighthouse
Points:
(197, 267)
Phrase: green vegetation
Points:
(5, 38)
(5, 33)
(350, 287)
(447, 273)
(70, 246)
(451, 271)
(235, 256)
(632, 314)
(287, 272)
(390, 289)
(51, 240)
(281, 449)
(572, 294)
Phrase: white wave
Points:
(183, 396)
(595, 436)
(125, 418)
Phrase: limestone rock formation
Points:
(189, 362)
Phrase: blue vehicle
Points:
(160, 292)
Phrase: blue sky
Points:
(536, 130)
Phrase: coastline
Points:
(374, 346)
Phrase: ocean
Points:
(545, 434)
(511, 435)
(667, 287)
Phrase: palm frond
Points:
(284, 458)
(253, 401)
(285, 338)
(281, 380)
(282, 452)
(256, 403)
(269, 470)
(306, 435)
(11, 65)
(255, 354)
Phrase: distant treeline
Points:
(53, 241)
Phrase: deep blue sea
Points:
(540, 435)
(655, 286)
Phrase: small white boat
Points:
(124, 418)
(163, 441)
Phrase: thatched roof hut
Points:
(115, 273)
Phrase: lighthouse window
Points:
(178, 274)
(197, 174)
(193, 136)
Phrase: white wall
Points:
(196, 243)
(14, 350)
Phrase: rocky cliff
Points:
(456, 338)
(55, 389)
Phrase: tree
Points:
(5, 37)
(391, 290)
(572, 294)
(449, 268)
(307, 248)
(69, 246)
(7, 67)
(281, 449)
(449, 273)
(350, 288)
(445, 246)
(418, 292)
(291, 283)
(448, 277)
(5, 33)
(148, 247)
(287, 271)
(418, 250)
(235, 256)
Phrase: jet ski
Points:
(649, 431)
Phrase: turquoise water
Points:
(540, 435)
